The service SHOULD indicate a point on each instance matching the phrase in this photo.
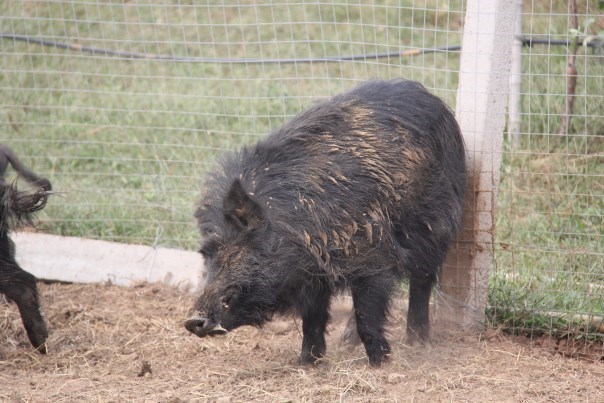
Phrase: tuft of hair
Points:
(18, 207)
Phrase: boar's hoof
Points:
(203, 327)
(42, 349)
(39, 342)
(378, 354)
(37, 334)
(307, 360)
(418, 337)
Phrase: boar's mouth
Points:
(202, 327)
(218, 330)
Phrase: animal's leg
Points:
(371, 298)
(350, 332)
(418, 317)
(315, 316)
(20, 287)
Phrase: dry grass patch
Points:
(110, 343)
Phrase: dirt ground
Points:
(109, 343)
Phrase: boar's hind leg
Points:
(418, 316)
(20, 287)
(371, 297)
(350, 332)
(315, 315)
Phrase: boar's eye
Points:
(225, 302)
(208, 249)
(203, 252)
(229, 297)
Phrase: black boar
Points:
(354, 193)
(17, 208)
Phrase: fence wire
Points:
(549, 274)
(127, 139)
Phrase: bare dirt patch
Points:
(109, 343)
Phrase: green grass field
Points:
(550, 252)
(126, 143)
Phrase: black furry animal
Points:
(18, 208)
(354, 193)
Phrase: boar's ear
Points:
(241, 209)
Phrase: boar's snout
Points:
(202, 327)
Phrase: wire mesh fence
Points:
(125, 106)
(549, 273)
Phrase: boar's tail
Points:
(18, 208)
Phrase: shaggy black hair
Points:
(353, 193)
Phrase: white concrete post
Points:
(515, 107)
(481, 112)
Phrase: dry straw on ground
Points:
(110, 343)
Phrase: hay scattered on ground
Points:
(109, 343)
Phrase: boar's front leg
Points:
(371, 297)
(315, 315)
